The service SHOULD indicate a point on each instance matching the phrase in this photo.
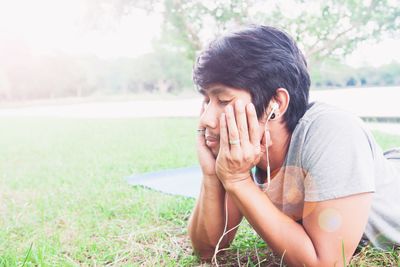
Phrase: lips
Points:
(212, 140)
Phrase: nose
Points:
(209, 118)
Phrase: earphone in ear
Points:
(272, 114)
(274, 106)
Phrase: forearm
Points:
(208, 218)
(283, 235)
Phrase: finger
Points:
(241, 121)
(201, 124)
(223, 133)
(201, 139)
(201, 127)
(267, 136)
(233, 133)
(203, 107)
(263, 145)
(254, 130)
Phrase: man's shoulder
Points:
(323, 119)
(319, 112)
(325, 127)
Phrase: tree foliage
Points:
(333, 74)
(71, 76)
(323, 28)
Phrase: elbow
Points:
(204, 254)
(326, 262)
(204, 250)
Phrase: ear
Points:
(282, 98)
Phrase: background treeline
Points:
(326, 31)
(66, 76)
(333, 74)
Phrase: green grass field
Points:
(64, 200)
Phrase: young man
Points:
(330, 184)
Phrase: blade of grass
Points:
(343, 255)
(283, 255)
(27, 254)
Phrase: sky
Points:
(49, 26)
(375, 54)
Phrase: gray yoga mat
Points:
(182, 181)
(187, 181)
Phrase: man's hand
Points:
(204, 154)
(239, 143)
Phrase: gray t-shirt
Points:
(332, 155)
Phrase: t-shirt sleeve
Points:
(337, 157)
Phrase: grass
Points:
(64, 200)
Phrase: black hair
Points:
(258, 59)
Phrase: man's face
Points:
(216, 98)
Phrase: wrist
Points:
(238, 183)
(211, 180)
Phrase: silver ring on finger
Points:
(201, 131)
(234, 142)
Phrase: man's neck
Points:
(279, 148)
(280, 138)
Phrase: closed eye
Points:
(224, 102)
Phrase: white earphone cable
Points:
(225, 232)
(274, 107)
(217, 250)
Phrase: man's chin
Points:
(215, 151)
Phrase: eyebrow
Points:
(214, 91)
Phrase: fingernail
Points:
(251, 106)
(229, 108)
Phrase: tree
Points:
(166, 71)
(323, 29)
